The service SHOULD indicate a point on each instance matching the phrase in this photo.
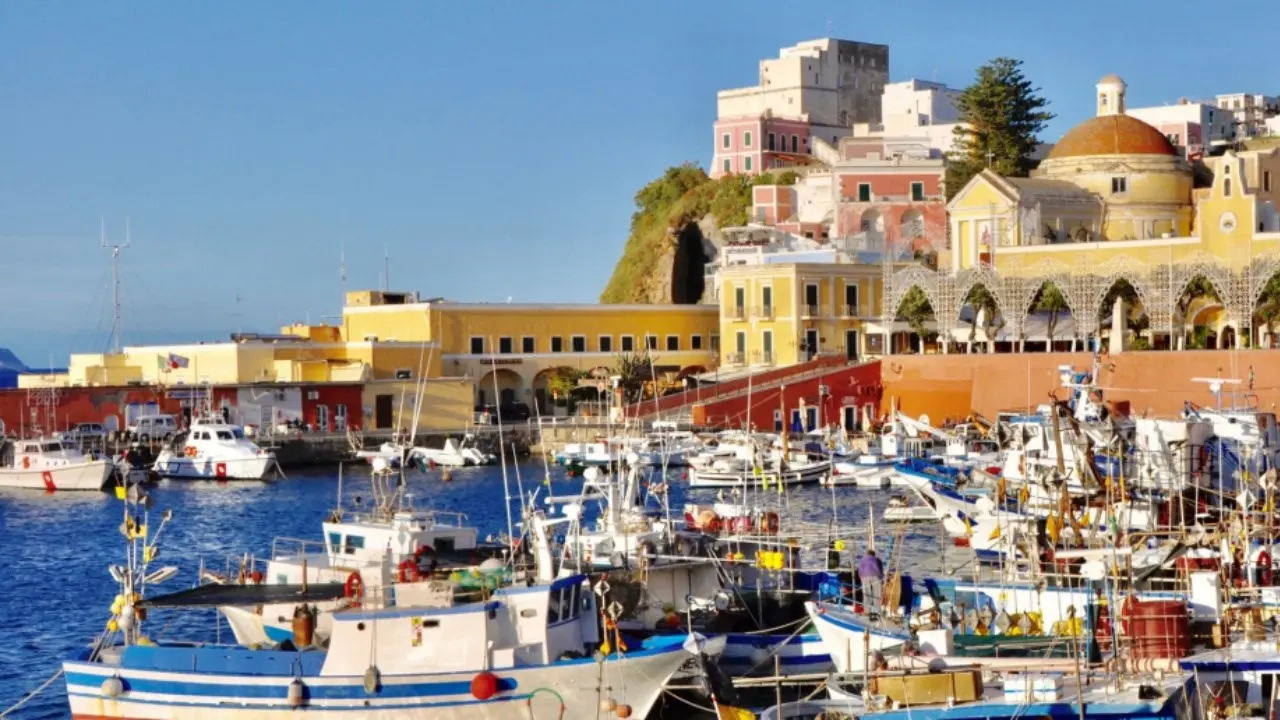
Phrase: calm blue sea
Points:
(57, 592)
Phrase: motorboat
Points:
(213, 449)
(864, 471)
(453, 454)
(49, 464)
(901, 510)
(772, 473)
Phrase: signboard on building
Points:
(500, 361)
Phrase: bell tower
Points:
(1111, 95)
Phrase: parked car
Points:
(86, 432)
(153, 427)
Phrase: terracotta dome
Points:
(1112, 135)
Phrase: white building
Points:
(1272, 126)
(1250, 111)
(1189, 125)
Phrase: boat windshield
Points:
(238, 433)
(51, 447)
(224, 435)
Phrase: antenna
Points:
(386, 269)
(117, 329)
(342, 269)
(238, 315)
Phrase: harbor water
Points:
(58, 548)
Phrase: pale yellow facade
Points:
(782, 314)
(511, 351)
(446, 403)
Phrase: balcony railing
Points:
(734, 359)
(850, 311)
(762, 357)
(764, 312)
(809, 311)
(737, 313)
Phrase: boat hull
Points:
(568, 688)
(180, 467)
(715, 479)
(87, 476)
(848, 637)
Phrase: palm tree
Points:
(1050, 299)
(915, 310)
(633, 371)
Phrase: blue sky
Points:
(492, 147)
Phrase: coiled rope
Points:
(32, 695)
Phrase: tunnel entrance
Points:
(687, 279)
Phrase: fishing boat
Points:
(50, 465)
(864, 471)
(541, 648)
(796, 469)
(212, 449)
(900, 509)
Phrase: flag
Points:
(162, 362)
(177, 361)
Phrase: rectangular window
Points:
(651, 342)
(917, 191)
(811, 294)
(477, 346)
(766, 299)
(728, 165)
(864, 192)
(353, 543)
(606, 343)
(579, 343)
(739, 298)
(746, 139)
(1266, 181)
(505, 346)
(673, 343)
(741, 342)
(746, 163)
(628, 343)
(795, 143)
(1119, 185)
(557, 344)
(771, 143)
(766, 343)
(715, 342)
(527, 345)
(695, 342)
(725, 142)
(335, 543)
(851, 299)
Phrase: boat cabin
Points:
(364, 542)
(517, 626)
(38, 454)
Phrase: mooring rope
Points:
(32, 695)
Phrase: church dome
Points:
(1112, 135)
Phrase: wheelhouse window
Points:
(52, 447)
(352, 543)
(225, 435)
(335, 542)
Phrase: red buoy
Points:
(484, 686)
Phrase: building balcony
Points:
(736, 313)
(762, 357)
(849, 311)
(735, 359)
(810, 311)
(764, 312)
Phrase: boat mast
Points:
(115, 248)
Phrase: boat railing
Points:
(288, 547)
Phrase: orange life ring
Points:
(769, 523)
(408, 571)
(1264, 569)
(353, 588)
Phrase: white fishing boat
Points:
(864, 471)
(214, 450)
(523, 650)
(732, 473)
(900, 509)
(50, 465)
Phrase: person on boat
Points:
(871, 571)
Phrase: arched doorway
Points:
(917, 312)
(1199, 309)
(552, 388)
(1132, 319)
(911, 226)
(499, 387)
(981, 311)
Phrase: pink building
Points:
(752, 145)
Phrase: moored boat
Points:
(50, 465)
(214, 450)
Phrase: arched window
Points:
(1226, 187)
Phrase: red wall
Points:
(856, 385)
(705, 394)
(332, 396)
(77, 405)
(890, 184)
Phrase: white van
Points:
(153, 427)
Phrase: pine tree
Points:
(1000, 115)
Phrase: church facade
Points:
(1113, 201)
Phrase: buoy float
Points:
(113, 687)
(372, 678)
(484, 686)
(623, 711)
(297, 693)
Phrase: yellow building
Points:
(512, 351)
(785, 313)
(1114, 201)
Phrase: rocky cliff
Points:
(675, 231)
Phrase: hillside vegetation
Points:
(683, 195)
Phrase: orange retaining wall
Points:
(954, 386)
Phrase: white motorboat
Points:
(454, 454)
(48, 464)
(214, 450)
(864, 471)
(900, 509)
(737, 472)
